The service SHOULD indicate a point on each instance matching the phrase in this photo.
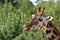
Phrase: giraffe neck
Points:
(51, 32)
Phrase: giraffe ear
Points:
(39, 11)
(33, 16)
(49, 18)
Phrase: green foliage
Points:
(31, 35)
(13, 16)
(12, 19)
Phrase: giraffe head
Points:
(39, 20)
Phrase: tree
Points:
(12, 18)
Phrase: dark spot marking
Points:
(43, 23)
(59, 39)
(48, 31)
(55, 32)
(30, 25)
(49, 39)
(47, 26)
(52, 37)
(50, 25)
(40, 19)
(36, 23)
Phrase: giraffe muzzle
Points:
(26, 27)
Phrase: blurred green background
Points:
(14, 13)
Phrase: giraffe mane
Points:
(51, 25)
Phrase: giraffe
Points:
(41, 21)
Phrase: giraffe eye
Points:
(40, 19)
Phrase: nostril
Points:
(25, 26)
